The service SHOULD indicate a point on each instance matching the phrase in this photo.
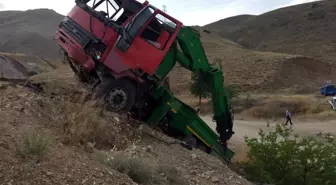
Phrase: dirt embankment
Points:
(20, 66)
(302, 75)
(76, 143)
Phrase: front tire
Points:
(116, 95)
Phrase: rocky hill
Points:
(30, 32)
(306, 29)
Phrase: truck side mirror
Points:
(127, 37)
(125, 40)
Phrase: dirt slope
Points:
(306, 29)
(256, 71)
(84, 143)
(21, 66)
(30, 32)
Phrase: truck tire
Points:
(117, 95)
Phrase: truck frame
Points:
(127, 54)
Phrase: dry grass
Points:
(84, 123)
(266, 106)
(321, 116)
(136, 169)
(35, 144)
(143, 171)
(67, 106)
(300, 106)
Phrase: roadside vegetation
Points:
(281, 158)
(271, 106)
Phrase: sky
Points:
(190, 12)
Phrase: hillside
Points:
(257, 71)
(52, 136)
(306, 29)
(229, 25)
(20, 66)
(30, 32)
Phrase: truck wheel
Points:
(117, 95)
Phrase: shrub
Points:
(280, 158)
(232, 91)
(276, 108)
(138, 171)
(200, 86)
(83, 123)
(143, 172)
(171, 175)
(35, 144)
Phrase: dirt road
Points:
(251, 129)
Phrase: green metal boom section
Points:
(182, 117)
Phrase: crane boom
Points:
(192, 57)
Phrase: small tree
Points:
(199, 86)
(231, 91)
(280, 158)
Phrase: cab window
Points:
(159, 31)
(108, 9)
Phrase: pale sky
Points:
(190, 12)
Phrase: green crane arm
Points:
(192, 57)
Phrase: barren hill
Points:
(29, 32)
(229, 25)
(257, 71)
(306, 29)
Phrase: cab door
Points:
(151, 33)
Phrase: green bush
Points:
(35, 144)
(282, 158)
(200, 86)
(232, 91)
